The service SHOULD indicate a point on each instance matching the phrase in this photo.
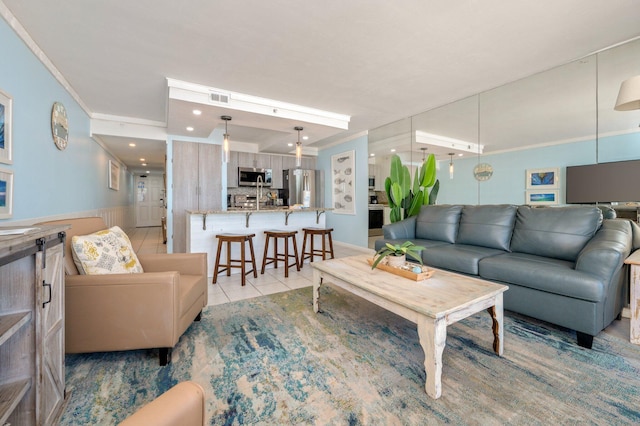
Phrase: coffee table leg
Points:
(497, 315)
(433, 336)
(317, 282)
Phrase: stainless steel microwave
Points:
(248, 176)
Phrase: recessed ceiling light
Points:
(393, 150)
(144, 164)
(305, 138)
(289, 144)
(197, 112)
(460, 155)
(132, 144)
(148, 171)
(189, 129)
(372, 154)
(142, 159)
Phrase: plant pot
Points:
(396, 261)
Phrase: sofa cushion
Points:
(104, 252)
(438, 223)
(487, 226)
(544, 274)
(556, 232)
(457, 257)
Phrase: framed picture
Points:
(114, 175)
(6, 108)
(343, 185)
(542, 197)
(6, 194)
(543, 178)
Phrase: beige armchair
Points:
(182, 405)
(117, 312)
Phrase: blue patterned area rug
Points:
(272, 360)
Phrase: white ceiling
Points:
(375, 60)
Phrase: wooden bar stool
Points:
(235, 263)
(312, 232)
(280, 256)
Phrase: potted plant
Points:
(406, 199)
(397, 253)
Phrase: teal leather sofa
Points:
(563, 265)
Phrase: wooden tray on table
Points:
(406, 270)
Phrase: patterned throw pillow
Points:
(104, 252)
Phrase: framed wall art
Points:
(114, 175)
(548, 178)
(6, 194)
(6, 113)
(343, 185)
(542, 197)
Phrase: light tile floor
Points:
(229, 289)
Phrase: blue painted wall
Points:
(507, 185)
(351, 229)
(48, 181)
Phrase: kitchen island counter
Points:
(203, 226)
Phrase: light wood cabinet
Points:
(197, 184)
(251, 159)
(232, 170)
(32, 382)
(276, 171)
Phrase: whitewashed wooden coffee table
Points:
(432, 304)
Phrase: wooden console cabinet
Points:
(32, 382)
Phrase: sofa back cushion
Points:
(487, 226)
(558, 233)
(438, 223)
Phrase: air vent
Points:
(220, 97)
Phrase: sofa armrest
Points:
(184, 263)
(401, 230)
(605, 253)
(182, 405)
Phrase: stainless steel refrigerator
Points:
(304, 187)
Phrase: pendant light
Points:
(451, 154)
(298, 148)
(225, 144)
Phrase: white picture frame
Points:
(6, 194)
(6, 128)
(546, 178)
(343, 183)
(114, 175)
(542, 197)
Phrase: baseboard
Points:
(626, 312)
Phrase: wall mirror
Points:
(554, 119)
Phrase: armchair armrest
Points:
(402, 230)
(182, 405)
(184, 263)
(122, 311)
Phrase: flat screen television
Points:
(617, 181)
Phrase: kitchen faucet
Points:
(259, 183)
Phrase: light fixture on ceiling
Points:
(629, 95)
(451, 154)
(424, 153)
(298, 148)
(225, 144)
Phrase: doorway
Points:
(150, 200)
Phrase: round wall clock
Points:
(59, 125)
(483, 171)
